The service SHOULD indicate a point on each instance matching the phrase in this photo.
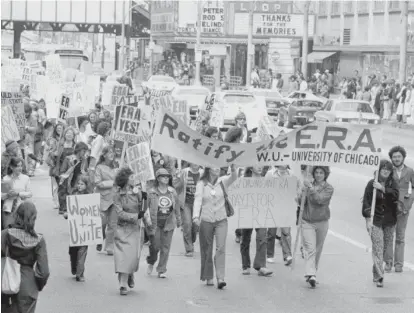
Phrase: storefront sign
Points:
(162, 16)
(278, 25)
(212, 20)
(262, 6)
(212, 17)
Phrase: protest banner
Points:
(267, 129)
(9, 129)
(39, 87)
(148, 92)
(64, 108)
(204, 112)
(264, 202)
(26, 75)
(254, 112)
(140, 162)
(15, 101)
(84, 217)
(11, 77)
(333, 144)
(179, 108)
(127, 124)
(54, 69)
(53, 100)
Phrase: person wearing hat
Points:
(315, 219)
(164, 211)
(382, 228)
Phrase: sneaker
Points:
(210, 282)
(288, 261)
(99, 247)
(73, 270)
(312, 281)
(80, 279)
(270, 260)
(123, 291)
(246, 271)
(65, 216)
(189, 254)
(131, 281)
(221, 284)
(162, 275)
(265, 272)
(388, 268)
(238, 239)
(150, 269)
(380, 283)
(398, 270)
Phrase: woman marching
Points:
(385, 216)
(104, 181)
(259, 263)
(210, 215)
(128, 239)
(315, 220)
(164, 211)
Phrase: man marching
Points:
(404, 176)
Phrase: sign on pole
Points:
(139, 160)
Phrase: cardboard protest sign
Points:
(11, 78)
(267, 128)
(149, 93)
(334, 144)
(9, 129)
(64, 108)
(54, 69)
(94, 84)
(204, 112)
(179, 108)
(139, 160)
(127, 124)
(53, 100)
(26, 75)
(254, 113)
(84, 216)
(264, 202)
(39, 87)
(15, 101)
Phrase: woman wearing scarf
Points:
(382, 229)
(28, 248)
(17, 186)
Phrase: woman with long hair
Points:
(23, 244)
(164, 211)
(210, 215)
(381, 230)
(259, 263)
(315, 220)
(104, 184)
(102, 140)
(128, 238)
(18, 190)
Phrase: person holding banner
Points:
(185, 184)
(259, 263)
(165, 214)
(127, 240)
(104, 181)
(210, 214)
(381, 229)
(315, 220)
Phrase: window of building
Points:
(363, 6)
(336, 7)
(394, 5)
(323, 8)
(348, 7)
(379, 6)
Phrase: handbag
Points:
(10, 278)
(227, 204)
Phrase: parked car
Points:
(351, 111)
(195, 95)
(274, 101)
(299, 112)
(307, 95)
(160, 82)
(235, 101)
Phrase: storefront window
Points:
(379, 6)
(363, 6)
(260, 56)
(336, 7)
(323, 9)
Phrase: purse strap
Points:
(224, 191)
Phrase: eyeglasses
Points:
(241, 119)
(164, 176)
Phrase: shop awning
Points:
(218, 40)
(319, 56)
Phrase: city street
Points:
(344, 275)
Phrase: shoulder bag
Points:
(10, 277)
(227, 204)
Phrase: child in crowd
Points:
(78, 254)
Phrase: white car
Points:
(160, 82)
(304, 95)
(194, 95)
(346, 110)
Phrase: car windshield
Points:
(267, 93)
(354, 107)
(309, 104)
(160, 78)
(239, 98)
(192, 92)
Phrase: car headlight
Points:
(376, 121)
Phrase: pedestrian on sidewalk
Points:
(185, 184)
(404, 176)
(259, 263)
(104, 185)
(164, 211)
(315, 220)
(210, 214)
(381, 230)
(23, 244)
(78, 254)
(128, 233)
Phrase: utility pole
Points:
(305, 40)
(403, 43)
(198, 52)
(122, 48)
(250, 48)
(128, 35)
(150, 44)
(103, 51)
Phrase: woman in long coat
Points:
(128, 237)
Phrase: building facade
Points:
(361, 35)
